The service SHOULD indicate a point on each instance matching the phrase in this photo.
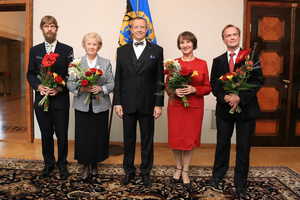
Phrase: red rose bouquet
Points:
(178, 76)
(48, 77)
(85, 78)
(237, 81)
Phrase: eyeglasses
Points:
(47, 27)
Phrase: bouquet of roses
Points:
(85, 78)
(48, 77)
(237, 81)
(178, 76)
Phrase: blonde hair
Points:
(92, 35)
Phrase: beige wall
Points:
(205, 19)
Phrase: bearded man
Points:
(56, 119)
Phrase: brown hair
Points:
(187, 35)
(92, 35)
(228, 26)
(48, 19)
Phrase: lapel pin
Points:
(152, 57)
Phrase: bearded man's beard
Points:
(49, 39)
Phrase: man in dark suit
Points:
(57, 118)
(138, 73)
(244, 121)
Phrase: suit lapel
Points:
(58, 48)
(144, 56)
(84, 63)
(132, 56)
(98, 63)
(42, 49)
(225, 62)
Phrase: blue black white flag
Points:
(136, 8)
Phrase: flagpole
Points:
(137, 9)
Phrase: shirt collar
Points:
(53, 44)
(236, 53)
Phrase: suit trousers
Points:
(146, 122)
(244, 132)
(55, 120)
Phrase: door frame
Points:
(293, 4)
(28, 44)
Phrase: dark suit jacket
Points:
(136, 81)
(249, 104)
(37, 53)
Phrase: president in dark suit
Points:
(244, 121)
(138, 73)
(56, 120)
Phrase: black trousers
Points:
(244, 132)
(146, 122)
(54, 121)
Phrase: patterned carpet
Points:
(19, 180)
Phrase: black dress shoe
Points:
(64, 174)
(46, 171)
(241, 192)
(214, 182)
(187, 185)
(176, 180)
(126, 180)
(147, 181)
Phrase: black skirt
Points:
(91, 136)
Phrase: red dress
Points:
(185, 123)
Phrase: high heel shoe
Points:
(187, 185)
(175, 180)
(85, 173)
(94, 170)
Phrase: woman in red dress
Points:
(185, 123)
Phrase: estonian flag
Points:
(136, 8)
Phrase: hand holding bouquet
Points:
(49, 78)
(85, 78)
(178, 77)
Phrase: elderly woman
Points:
(91, 120)
(185, 123)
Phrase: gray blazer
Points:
(106, 80)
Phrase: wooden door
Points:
(272, 26)
(293, 136)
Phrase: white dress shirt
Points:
(234, 57)
(139, 49)
(53, 45)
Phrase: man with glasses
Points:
(56, 119)
(138, 74)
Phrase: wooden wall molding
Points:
(28, 5)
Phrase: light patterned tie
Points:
(48, 48)
(231, 63)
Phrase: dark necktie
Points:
(138, 43)
(231, 63)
